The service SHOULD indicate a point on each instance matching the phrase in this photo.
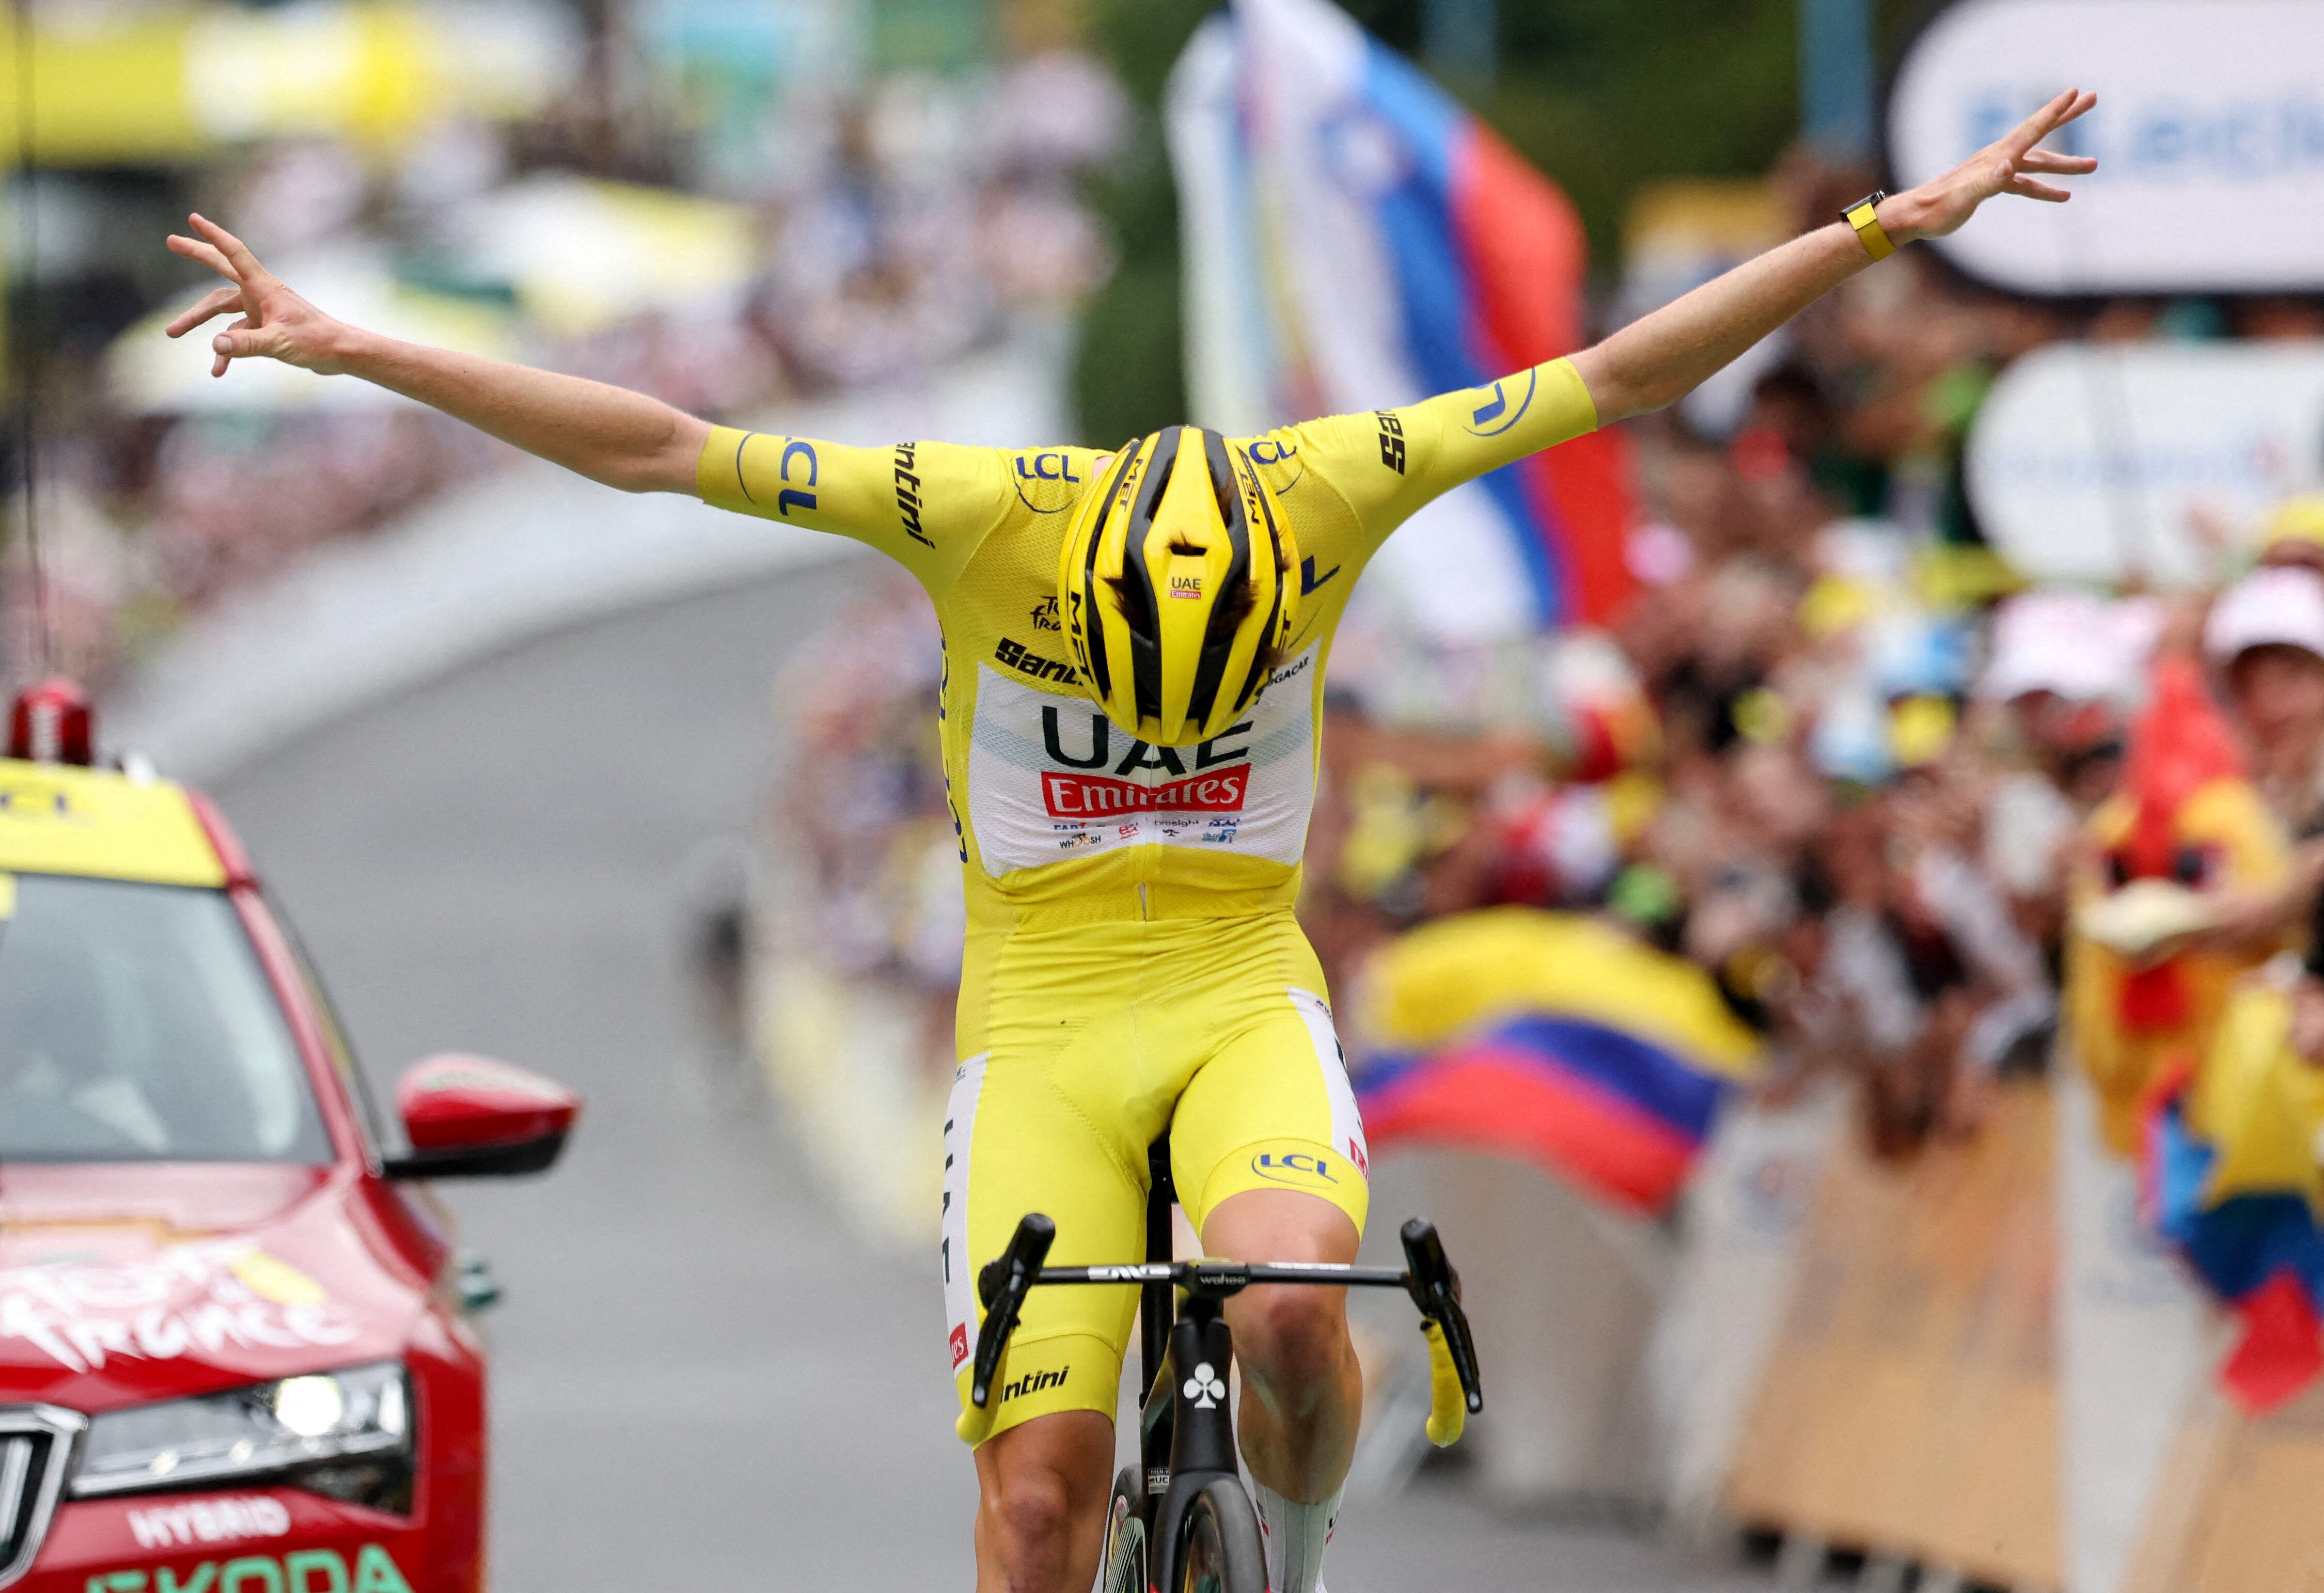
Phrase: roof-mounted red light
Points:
(50, 724)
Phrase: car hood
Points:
(124, 1284)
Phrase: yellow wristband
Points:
(1866, 219)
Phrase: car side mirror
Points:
(470, 1116)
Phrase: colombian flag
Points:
(2231, 1181)
(1552, 1036)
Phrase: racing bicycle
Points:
(1180, 1519)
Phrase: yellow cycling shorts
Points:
(1097, 1039)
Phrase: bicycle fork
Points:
(1185, 1422)
(1186, 1428)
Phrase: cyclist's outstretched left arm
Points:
(608, 434)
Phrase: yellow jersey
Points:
(1063, 820)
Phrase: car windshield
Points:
(136, 1024)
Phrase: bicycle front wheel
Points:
(1219, 1549)
(1123, 1568)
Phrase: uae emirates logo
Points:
(1087, 795)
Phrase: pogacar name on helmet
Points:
(1026, 662)
(1034, 1382)
(907, 493)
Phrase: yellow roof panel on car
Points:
(58, 819)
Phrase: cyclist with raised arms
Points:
(1134, 654)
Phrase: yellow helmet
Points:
(1177, 586)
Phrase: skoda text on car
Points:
(234, 1357)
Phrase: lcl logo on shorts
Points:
(1294, 1167)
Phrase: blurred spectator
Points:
(2266, 633)
(896, 220)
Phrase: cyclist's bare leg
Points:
(1302, 1392)
(1040, 1518)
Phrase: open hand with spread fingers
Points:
(276, 324)
(2008, 166)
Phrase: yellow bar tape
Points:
(1866, 219)
(1448, 1407)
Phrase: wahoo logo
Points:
(1187, 587)
(1294, 1167)
(1089, 797)
(1034, 1382)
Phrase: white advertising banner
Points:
(2208, 131)
(2133, 1347)
(2113, 462)
(1746, 1216)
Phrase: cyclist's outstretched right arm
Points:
(926, 504)
(608, 434)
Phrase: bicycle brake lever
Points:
(1454, 1324)
(1002, 1285)
(1435, 1289)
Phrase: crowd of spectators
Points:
(1836, 751)
(910, 217)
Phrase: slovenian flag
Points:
(1555, 1037)
(1355, 239)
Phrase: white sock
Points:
(1295, 1536)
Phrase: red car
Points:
(234, 1355)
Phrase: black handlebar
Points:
(1001, 1284)
(1436, 1288)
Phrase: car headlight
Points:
(347, 1433)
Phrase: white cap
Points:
(2069, 642)
(2274, 606)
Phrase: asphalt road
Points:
(700, 1381)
